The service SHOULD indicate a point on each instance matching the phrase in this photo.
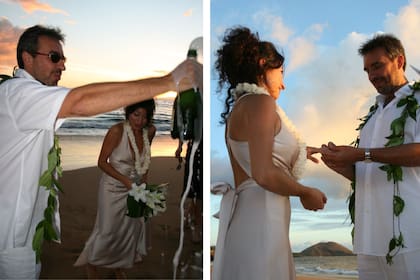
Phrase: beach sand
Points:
(78, 207)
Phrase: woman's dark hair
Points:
(391, 44)
(148, 105)
(238, 61)
(28, 41)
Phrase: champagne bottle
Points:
(186, 104)
(175, 128)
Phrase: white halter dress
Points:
(253, 238)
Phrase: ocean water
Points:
(345, 266)
(99, 125)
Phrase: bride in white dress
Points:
(267, 157)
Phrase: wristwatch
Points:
(367, 155)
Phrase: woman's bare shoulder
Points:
(117, 129)
(257, 104)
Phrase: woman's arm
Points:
(111, 141)
(261, 123)
(261, 127)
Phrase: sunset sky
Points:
(106, 40)
(326, 88)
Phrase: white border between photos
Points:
(206, 142)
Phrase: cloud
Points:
(31, 6)
(332, 184)
(280, 31)
(335, 91)
(301, 48)
(70, 22)
(405, 25)
(221, 170)
(9, 36)
(302, 51)
(188, 12)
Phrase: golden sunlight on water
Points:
(83, 151)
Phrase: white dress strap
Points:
(225, 215)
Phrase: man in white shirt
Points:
(31, 108)
(377, 221)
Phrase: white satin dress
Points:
(253, 238)
(117, 241)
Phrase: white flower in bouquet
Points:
(139, 192)
(156, 201)
(146, 200)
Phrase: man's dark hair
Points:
(28, 41)
(391, 44)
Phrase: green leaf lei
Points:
(394, 172)
(45, 228)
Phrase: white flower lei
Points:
(140, 169)
(299, 166)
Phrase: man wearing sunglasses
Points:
(32, 106)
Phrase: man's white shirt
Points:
(374, 193)
(28, 113)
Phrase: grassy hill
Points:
(325, 249)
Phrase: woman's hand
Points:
(310, 151)
(127, 182)
(144, 178)
(313, 199)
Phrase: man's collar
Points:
(402, 92)
(21, 73)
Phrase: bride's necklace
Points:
(141, 163)
(299, 166)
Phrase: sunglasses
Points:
(55, 57)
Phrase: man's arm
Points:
(403, 155)
(98, 98)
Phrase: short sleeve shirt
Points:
(28, 117)
(374, 195)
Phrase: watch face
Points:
(367, 156)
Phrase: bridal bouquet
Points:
(146, 200)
